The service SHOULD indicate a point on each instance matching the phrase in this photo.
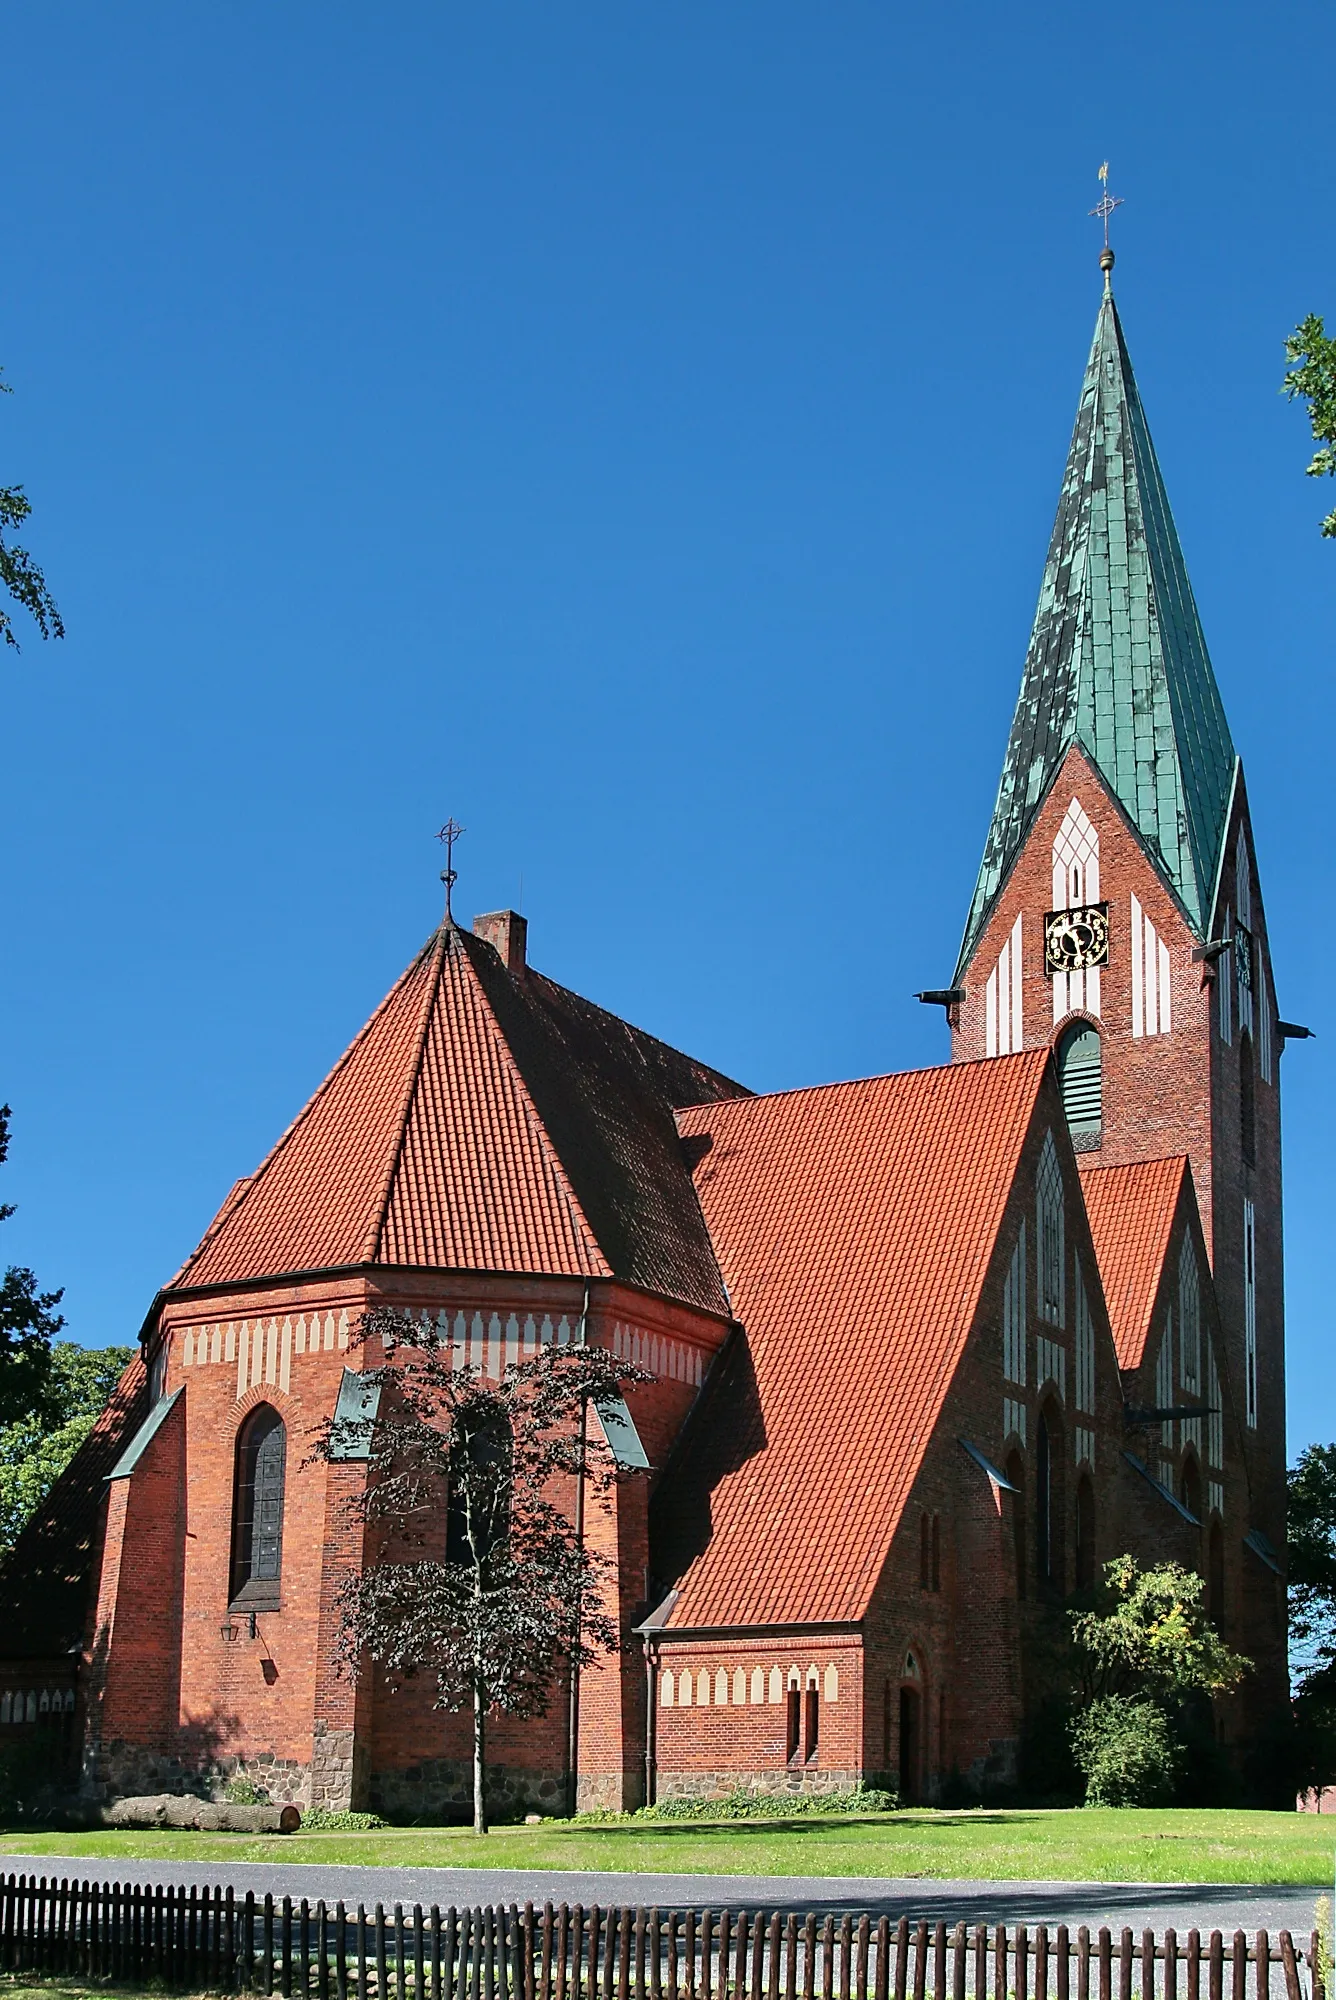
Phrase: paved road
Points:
(1208, 1906)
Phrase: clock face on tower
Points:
(1076, 939)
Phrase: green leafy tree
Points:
(1148, 1650)
(36, 1448)
(482, 1576)
(1311, 1547)
(29, 1323)
(19, 574)
(1313, 379)
(1150, 1635)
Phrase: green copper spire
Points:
(1117, 661)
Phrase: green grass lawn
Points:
(1087, 1845)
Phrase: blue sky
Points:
(635, 430)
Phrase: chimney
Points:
(507, 932)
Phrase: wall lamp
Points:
(229, 1631)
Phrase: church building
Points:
(924, 1350)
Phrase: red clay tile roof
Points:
(45, 1578)
(854, 1225)
(482, 1120)
(1131, 1212)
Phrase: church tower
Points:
(1118, 915)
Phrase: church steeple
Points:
(1117, 661)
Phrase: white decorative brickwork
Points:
(1152, 1010)
(1003, 1009)
(1075, 885)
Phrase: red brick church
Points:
(927, 1348)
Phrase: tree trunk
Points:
(479, 1761)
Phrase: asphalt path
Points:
(1157, 1906)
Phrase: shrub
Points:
(1126, 1752)
(322, 1821)
(242, 1792)
(756, 1805)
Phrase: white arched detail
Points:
(1152, 1013)
(1075, 887)
(666, 1690)
(1003, 1012)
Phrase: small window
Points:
(925, 1552)
(1052, 1243)
(1189, 1488)
(257, 1517)
(936, 1551)
(1081, 1073)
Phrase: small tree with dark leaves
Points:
(29, 1323)
(481, 1574)
(19, 574)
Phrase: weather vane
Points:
(1103, 210)
(449, 834)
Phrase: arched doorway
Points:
(911, 1741)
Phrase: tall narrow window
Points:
(1250, 1311)
(1247, 1101)
(1013, 1315)
(1050, 1231)
(936, 1551)
(1215, 1576)
(1164, 1381)
(1189, 1337)
(811, 1723)
(795, 1722)
(1043, 1496)
(257, 1509)
(1016, 1480)
(478, 1508)
(1085, 1345)
(1081, 1073)
(925, 1552)
(1224, 982)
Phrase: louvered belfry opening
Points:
(1081, 1070)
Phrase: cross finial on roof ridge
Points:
(449, 834)
(1103, 209)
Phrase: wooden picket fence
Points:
(211, 1940)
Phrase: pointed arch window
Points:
(257, 1509)
(1050, 1233)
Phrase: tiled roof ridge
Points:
(856, 1233)
(248, 1185)
(1090, 1166)
(440, 945)
(947, 1070)
(1132, 1207)
(459, 944)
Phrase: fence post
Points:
(1263, 1963)
(1170, 1963)
(1287, 1960)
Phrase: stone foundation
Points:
(443, 1788)
(128, 1770)
(757, 1784)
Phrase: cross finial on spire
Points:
(449, 834)
(1103, 210)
